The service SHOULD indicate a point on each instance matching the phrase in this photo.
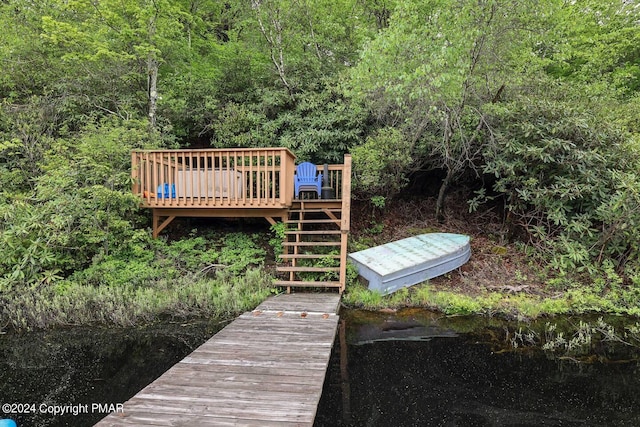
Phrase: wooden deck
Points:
(239, 182)
(266, 368)
(254, 182)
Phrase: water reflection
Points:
(82, 366)
(423, 370)
(409, 369)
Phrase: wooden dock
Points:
(266, 368)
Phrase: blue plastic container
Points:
(165, 194)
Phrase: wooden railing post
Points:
(345, 219)
(147, 177)
(283, 175)
(287, 168)
(346, 193)
(135, 171)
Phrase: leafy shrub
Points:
(239, 251)
(279, 231)
(190, 254)
(79, 206)
(320, 125)
(570, 179)
(381, 164)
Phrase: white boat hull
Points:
(410, 261)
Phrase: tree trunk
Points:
(274, 39)
(152, 76)
(152, 69)
(442, 193)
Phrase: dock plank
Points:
(303, 302)
(266, 368)
(152, 419)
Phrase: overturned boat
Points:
(413, 260)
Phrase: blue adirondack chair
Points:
(307, 179)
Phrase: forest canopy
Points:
(527, 106)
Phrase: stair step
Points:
(316, 210)
(313, 232)
(309, 256)
(305, 284)
(310, 243)
(312, 221)
(308, 269)
(316, 214)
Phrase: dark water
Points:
(83, 367)
(409, 369)
(418, 371)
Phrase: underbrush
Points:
(204, 276)
(73, 303)
(502, 278)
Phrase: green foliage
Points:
(142, 280)
(320, 125)
(400, 298)
(451, 303)
(147, 262)
(122, 273)
(381, 164)
(597, 41)
(352, 274)
(28, 257)
(361, 297)
(240, 251)
(422, 296)
(25, 135)
(279, 231)
(375, 228)
(576, 300)
(323, 126)
(428, 75)
(378, 201)
(568, 175)
(80, 206)
(235, 126)
(309, 40)
(190, 254)
(72, 303)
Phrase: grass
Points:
(222, 296)
(208, 276)
(505, 304)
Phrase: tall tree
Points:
(597, 43)
(430, 72)
(308, 40)
(123, 43)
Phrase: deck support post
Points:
(157, 225)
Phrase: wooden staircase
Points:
(315, 245)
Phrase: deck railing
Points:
(214, 178)
(335, 181)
